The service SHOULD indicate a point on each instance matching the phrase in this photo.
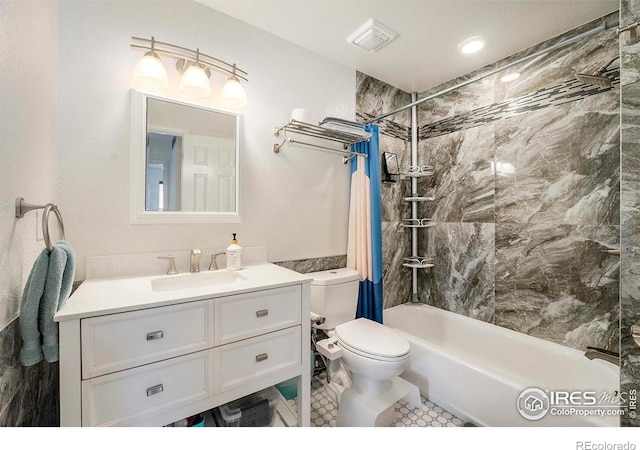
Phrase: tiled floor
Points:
(324, 411)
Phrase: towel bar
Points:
(23, 207)
(306, 129)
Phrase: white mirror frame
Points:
(137, 188)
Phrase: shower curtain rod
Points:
(569, 41)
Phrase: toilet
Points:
(364, 358)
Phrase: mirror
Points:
(390, 163)
(184, 162)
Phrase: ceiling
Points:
(424, 53)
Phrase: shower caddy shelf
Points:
(316, 131)
(417, 262)
(421, 223)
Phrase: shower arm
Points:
(604, 68)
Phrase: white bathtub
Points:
(476, 370)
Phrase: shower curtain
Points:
(364, 250)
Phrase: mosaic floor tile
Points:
(324, 411)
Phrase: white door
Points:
(208, 174)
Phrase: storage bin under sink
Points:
(255, 410)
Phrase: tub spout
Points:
(600, 353)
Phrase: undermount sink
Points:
(194, 280)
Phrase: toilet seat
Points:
(346, 347)
(372, 340)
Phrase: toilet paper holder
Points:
(635, 333)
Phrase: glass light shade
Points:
(233, 94)
(150, 73)
(195, 83)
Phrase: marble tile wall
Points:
(526, 189)
(315, 264)
(630, 205)
(373, 98)
(28, 395)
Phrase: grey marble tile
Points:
(630, 204)
(560, 165)
(562, 93)
(394, 208)
(396, 279)
(375, 97)
(29, 396)
(630, 353)
(555, 283)
(462, 279)
(315, 264)
(463, 183)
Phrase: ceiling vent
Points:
(372, 36)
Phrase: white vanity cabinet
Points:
(154, 361)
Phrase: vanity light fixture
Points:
(233, 94)
(195, 67)
(472, 45)
(150, 71)
(194, 81)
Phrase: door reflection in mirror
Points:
(190, 158)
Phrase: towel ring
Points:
(45, 224)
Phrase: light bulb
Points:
(150, 72)
(195, 83)
(233, 94)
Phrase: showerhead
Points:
(597, 79)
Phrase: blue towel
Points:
(56, 291)
(31, 352)
(47, 289)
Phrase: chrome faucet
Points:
(195, 260)
(214, 263)
(600, 353)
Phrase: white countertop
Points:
(102, 296)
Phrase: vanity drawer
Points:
(250, 360)
(121, 341)
(123, 398)
(247, 315)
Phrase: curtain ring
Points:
(45, 224)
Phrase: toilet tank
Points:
(334, 296)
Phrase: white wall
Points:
(27, 138)
(295, 203)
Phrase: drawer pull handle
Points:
(261, 357)
(155, 335)
(154, 390)
(262, 313)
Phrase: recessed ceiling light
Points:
(471, 45)
(510, 77)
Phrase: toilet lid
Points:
(369, 337)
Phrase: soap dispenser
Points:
(234, 255)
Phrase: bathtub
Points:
(477, 371)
